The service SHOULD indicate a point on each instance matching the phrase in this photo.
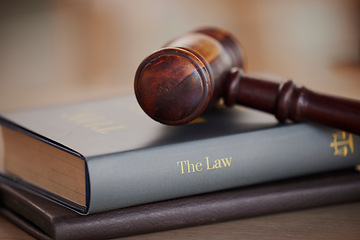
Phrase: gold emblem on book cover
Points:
(342, 144)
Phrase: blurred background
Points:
(70, 50)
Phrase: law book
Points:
(107, 154)
(46, 220)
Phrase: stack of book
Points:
(103, 169)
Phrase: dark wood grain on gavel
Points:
(175, 84)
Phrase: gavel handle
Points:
(286, 101)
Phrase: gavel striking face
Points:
(175, 84)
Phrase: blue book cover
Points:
(107, 154)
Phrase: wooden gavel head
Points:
(175, 84)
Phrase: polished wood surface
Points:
(174, 85)
(287, 101)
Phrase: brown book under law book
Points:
(47, 220)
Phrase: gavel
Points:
(176, 83)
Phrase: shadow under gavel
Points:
(175, 84)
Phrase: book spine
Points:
(183, 169)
